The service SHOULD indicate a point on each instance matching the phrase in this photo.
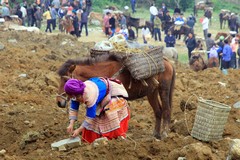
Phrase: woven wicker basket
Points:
(210, 120)
(146, 64)
(94, 52)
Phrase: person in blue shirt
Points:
(226, 55)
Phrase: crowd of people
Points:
(116, 23)
(53, 11)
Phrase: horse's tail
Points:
(172, 86)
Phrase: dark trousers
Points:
(133, 8)
(49, 21)
(189, 52)
(76, 31)
(106, 31)
(205, 32)
(144, 40)
(54, 24)
(86, 29)
(233, 61)
(225, 64)
(29, 20)
(157, 33)
(38, 23)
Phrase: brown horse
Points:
(182, 30)
(213, 62)
(139, 23)
(197, 63)
(111, 66)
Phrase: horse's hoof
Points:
(164, 135)
(157, 135)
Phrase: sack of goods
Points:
(118, 39)
(145, 64)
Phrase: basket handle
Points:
(185, 108)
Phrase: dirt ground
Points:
(30, 119)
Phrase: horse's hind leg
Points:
(165, 92)
(156, 106)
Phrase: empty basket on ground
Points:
(145, 64)
(210, 120)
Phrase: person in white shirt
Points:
(205, 23)
(24, 14)
(145, 34)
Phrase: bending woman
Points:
(107, 112)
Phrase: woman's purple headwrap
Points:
(74, 87)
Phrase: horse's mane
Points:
(87, 61)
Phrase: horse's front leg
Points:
(154, 102)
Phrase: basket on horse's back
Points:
(145, 64)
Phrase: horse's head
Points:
(197, 63)
(65, 73)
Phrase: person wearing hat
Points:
(126, 12)
(107, 112)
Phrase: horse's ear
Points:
(71, 68)
(66, 78)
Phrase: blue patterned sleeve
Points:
(73, 112)
(91, 111)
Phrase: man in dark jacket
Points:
(168, 21)
(232, 23)
(191, 44)
(88, 6)
(190, 22)
(170, 40)
(131, 34)
(209, 43)
(112, 22)
(84, 20)
(177, 10)
(29, 14)
(19, 13)
(75, 24)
